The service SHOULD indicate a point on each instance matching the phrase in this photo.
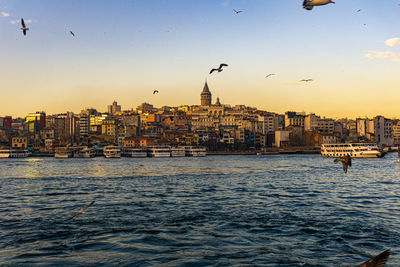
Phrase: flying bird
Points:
(24, 28)
(309, 4)
(237, 11)
(306, 80)
(220, 68)
(155, 91)
(346, 162)
(81, 211)
(377, 261)
(359, 10)
(73, 34)
(269, 75)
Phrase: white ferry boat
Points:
(198, 151)
(14, 153)
(355, 150)
(63, 153)
(195, 151)
(135, 152)
(112, 151)
(160, 152)
(84, 152)
(178, 151)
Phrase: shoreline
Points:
(222, 153)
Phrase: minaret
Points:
(205, 96)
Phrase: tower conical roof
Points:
(205, 88)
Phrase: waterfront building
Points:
(59, 127)
(6, 122)
(294, 119)
(19, 142)
(114, 108)
(36, 122)
(139, 141)
(269, 123)
(145, 108)
(47, 133)
(383, 131)
(205, 96)
(96, 121)
(282, 138)
(66, 127)
(71, 126)
(311, 122)
(109, 126)
(84, 121)
(396, 133)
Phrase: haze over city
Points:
(125, 50)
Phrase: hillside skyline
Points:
(125, 50)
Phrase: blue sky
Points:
(123, 50)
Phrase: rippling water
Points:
(286, 210)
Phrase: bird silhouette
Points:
(24, 28)
(237, 11)
(269, 75)
(81, 211)
(377, 261)
(155, 91)
(306, 80)
(309, 4)
(73, 34)
(220, 68)
(359, 10)
(346, 162)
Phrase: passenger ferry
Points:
(198, 151)
(14, 153)
(112, 151)
(195, 151)
(135, 152)
(84, 152)
(63, 153)
(355, 150)
(160, 152)
(178, 151)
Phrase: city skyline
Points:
(124, 51)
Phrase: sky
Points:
(123, 50)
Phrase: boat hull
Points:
(161, 154)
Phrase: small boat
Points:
(112, 151)
(63, 153)
(178, 151)
(135, 152)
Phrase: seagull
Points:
(220, 68)
(306, 80)
(269, 75)
(377, 261)
(71, 33)
(24, 28)
(155, 91)
(237, 11)
(81, 211)
(346, 162)
(309, 4)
